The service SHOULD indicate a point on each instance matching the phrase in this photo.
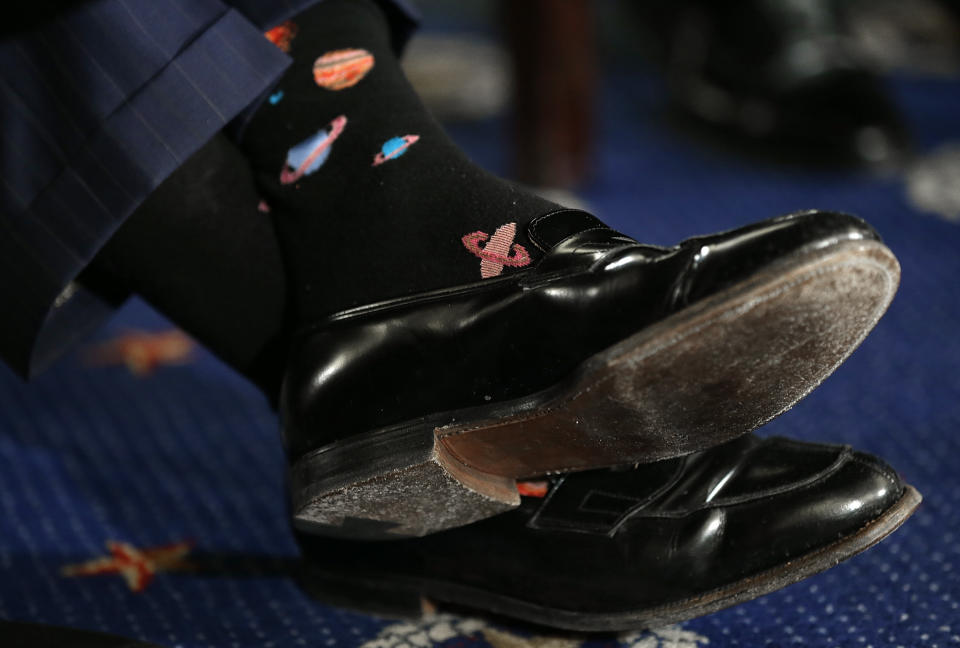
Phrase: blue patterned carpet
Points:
(190, 453)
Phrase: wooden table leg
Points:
(553, 52)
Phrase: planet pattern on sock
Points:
(349, 66)
(394, 148)
(499, 251)
(343, 68)
(310, 154)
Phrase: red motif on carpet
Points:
(137, 566)
(142, 352)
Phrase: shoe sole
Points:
(719, 368)
(406, 597)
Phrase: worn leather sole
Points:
(717, 369)
(404, 596)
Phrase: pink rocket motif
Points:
(497, 252)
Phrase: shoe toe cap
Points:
(817, 500)
(823, 510)
(722, 260)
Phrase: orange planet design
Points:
(533, 488)
(341, 69)
(282, 35)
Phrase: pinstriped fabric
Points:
(97, 107)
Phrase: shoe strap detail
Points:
(551, 229)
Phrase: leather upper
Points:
(516, 337)
(615, 540)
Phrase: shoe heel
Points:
(392, 486)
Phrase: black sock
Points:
(387, 205)
(202, 253)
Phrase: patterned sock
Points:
(371, 199)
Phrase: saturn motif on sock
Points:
(341, 69)
(499, 251)
(394, 148)
(310, 154)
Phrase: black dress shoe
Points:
(622, 549)
(418, 414)
(784, 76)
(33, 635)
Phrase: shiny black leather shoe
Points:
(416, 415)
(615, 550)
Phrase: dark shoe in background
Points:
(786, 78)
(417, 415)
(613, 550)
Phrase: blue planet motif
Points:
(394, 148)
(276, 97)
(310, 154)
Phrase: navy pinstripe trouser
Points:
(100, 102)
